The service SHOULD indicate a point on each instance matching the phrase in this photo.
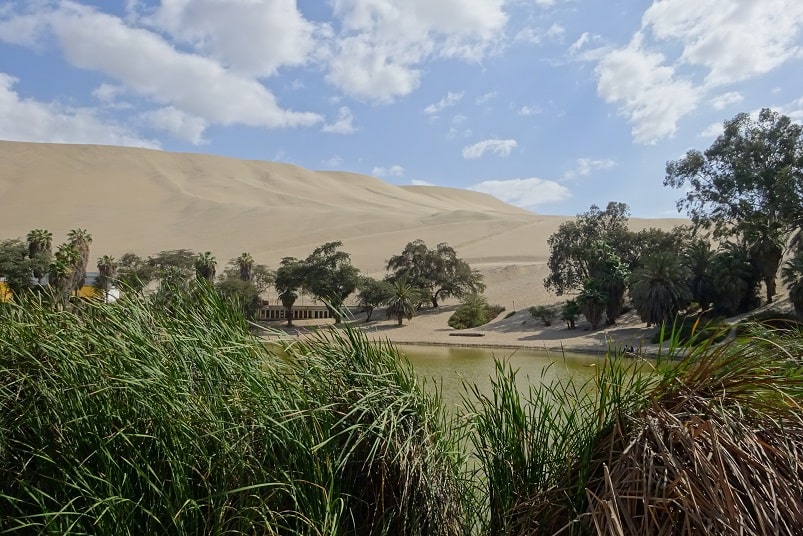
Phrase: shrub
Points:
(474, 311)
(692, 330)
(544, 314)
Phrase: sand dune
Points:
(145, 201)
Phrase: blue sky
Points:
(552, 105)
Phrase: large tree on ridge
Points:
(438, 272)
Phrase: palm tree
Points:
(288, 299)
(402, 301)
(766, 253)
(80, 239)
(698, 258)
(245, 263)
(658, 288)
(107, 271)
(40, 242)
(733, 279)
(792, 274)
(205, 265)
(61, 273)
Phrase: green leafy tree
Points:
(182, 260)
(588, 248)
(205, 266)
(658, 288)
(133, 273)
(373, 293)
(330, 277)
(243, 293)
(15, 266)
(439, 272)
(80, 239)
(402, 301)
(747, 186)
(474, 311)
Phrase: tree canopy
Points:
(748, 186)
(438, 272)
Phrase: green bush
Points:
(474, 311)
(544, 314)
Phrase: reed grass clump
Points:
(711, 444)
(143, 417)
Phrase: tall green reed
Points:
(144, 417)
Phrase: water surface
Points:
(450, 366)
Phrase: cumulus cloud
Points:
(585, 166)
(343, 124)
(500, 147)
(526, 193)
(256, 37)
(392, 171)
(32, 120)
(383, 43)
(178, 124)
(146, 64)
(484, 98)
(448, 101)
(712, 43)
(647, 91)
(733, 40)
(420, 182)
(720, 102)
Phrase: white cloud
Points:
(482, 99)
(711, 131)
(254, 37)
(585, 166)
(713, 43)
(383, 43)
(556, 31)
(733, 40)
(178, 124)
(107, 93)
(720, 102)
(500, 147)
(448, 101)
(31, 120)
(459, 119)
(148, 65)
(393, 171)
(455, 132)
(646, 91)
(525, 193)
(419, 182)
(528, 110)
(344, 124)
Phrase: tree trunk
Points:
(289, 314)
(401, 320)
(770, 282)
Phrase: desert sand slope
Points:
(145, 201)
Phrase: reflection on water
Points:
(450, 366)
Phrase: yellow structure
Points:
(88, 291)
